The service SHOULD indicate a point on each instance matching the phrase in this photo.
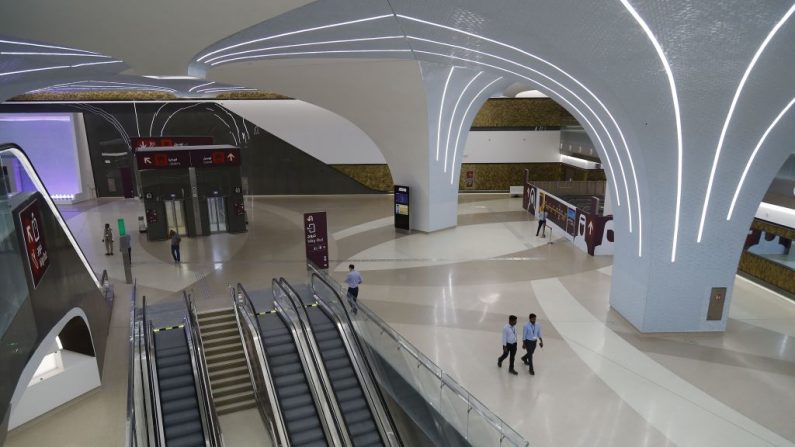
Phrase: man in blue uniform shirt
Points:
(509, 344)
(531, 335)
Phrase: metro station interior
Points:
(185, 188)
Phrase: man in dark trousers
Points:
(353, 279)
(542, 222)
(531, 335)
(175, 240)
(509, 344)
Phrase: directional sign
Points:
(142, 142)
(316, 238)
(35, 246)
(215, 157)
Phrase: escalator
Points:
(344, 377)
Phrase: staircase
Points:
(226, 362)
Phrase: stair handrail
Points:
(244, 308)
(323, 402)
(506, 432)
(201, 378)
(303, 317)
(130, 434)
(386, 423)
(154, 384)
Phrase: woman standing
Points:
(107, 238)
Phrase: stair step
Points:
(223, 342)
(210, 334)
(237, 406)
(215, 319)
(220, 392)
(217, 326)
(215, 312)
(223, 356)
(236, 397)
(231, 380)
(227, 369)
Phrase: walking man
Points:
(509, 344)
(175, 240)
(542, 222)
(531, 336)
(107, 238)
(353, 279)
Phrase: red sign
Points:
(316, 238)
(33, 233)
(215, 157)
(185, 158)
(163, 159)
(142, 142)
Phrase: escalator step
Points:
(320, 443)
(179, 359)
(174, 405)
(338, 363)
(293, 390)
(174, 371)
(168, 352)
(183, 429)
(288, 380)
(192, 440)
(361, 428)
(296, 402)
(367, 440)
(332, 354)
(299, 413)
(179, 417)
(331, 343)
(349, 394)
(344, 384)
(177, 393)
(304, 424)
(276, 360)
(285, 348)
(357, 416)
(353, 405)
(307, 436)
(340, 373)
(279, 339)
(292, 368)
(176, 382)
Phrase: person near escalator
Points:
(175, 240)
(107, 238)
(353, 279)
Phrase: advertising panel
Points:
(402, 200)
(316, 238)
(32, 227)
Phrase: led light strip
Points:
(34, 53)
(152, 124)
(163, 129)
(281, 47)
(109, 83)
(201, 85)
(234, 138)
(441, 109)
(452, 117)
(220, 90)
(31, 171)
(40, 45)
(561, 97)
(675, 98)
(292, 33)
(599, 101)
(753, 155)
(300, 53)
(461, 125)
(725, 128)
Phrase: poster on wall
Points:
(402, 200)
(316, 238)
(469, 179)
(32, 227)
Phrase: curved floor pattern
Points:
(598, 382)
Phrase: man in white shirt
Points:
(509, 344)
(353, 279)
(531, 335)
(542, 222)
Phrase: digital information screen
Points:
(402, 208)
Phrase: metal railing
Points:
(261, 380)
(361, 363)
(573, 188)
(130, 426)
(463, 411)
(201, 377)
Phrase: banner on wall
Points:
(469, 179)
(316, 238)
(32, 226)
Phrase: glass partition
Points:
(458, 408)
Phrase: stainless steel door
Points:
(175, 216)
(217, 214)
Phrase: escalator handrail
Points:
(323, 402)
(201, 378)
(306, 327)
(154, 383)
(382, 409)
(272, 414)
(130, 426)
(18, 153)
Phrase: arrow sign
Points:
(590, 227)
(230, 157)
(147, 160)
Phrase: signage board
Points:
(32, 227)
(141, 142)
(186, 158)
(402, 209)
(215, 157)
(316, 238)
(163, 159)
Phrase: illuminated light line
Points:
(112, 83)
(561, 97)
(441, 109)
(151, 125)
(452, 117)
(104, 87)
(753, 155)
(599, 101)
(615, 148)
(40, 45)
(137, 126)
(33, 176)
(86, 64)
(222, 89)
(31, 70)
(110, 119)
(163, 129)
(675, 98)
(200, 85)
(228, 127)
(281, 47)
(34, 53)
(299, 53)
(292, 33)
(234, 121)
(461, 125)
(725, 128)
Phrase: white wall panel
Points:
(512, 147)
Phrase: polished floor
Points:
(598, 382)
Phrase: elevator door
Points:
(175, 216)
(217, 213)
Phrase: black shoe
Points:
(525, 361)
(513, 371)
(499, 363)
(532, 373)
